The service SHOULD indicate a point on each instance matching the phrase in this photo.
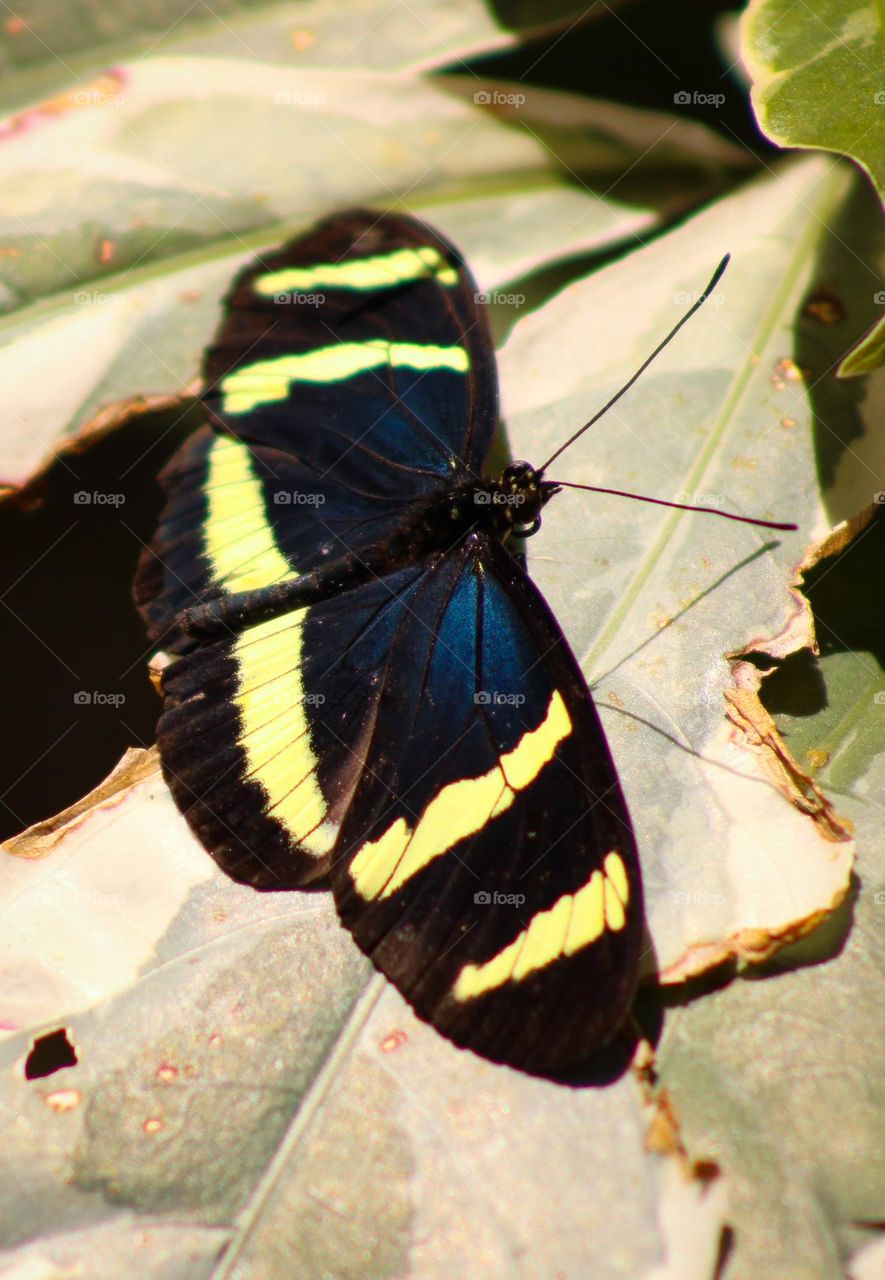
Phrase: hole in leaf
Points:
(50, 1053)
(845, 595)
(847, 619)
(796, 686)
(828, 708)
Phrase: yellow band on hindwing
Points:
(573, 922)
(458, 810)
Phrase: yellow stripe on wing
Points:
(460, 809)
(381, 271)
(274, 734)
(267, 381)
(573, 922)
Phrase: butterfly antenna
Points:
(699, 302)
(680, 506)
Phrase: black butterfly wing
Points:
(351, 377)
(430, 735)
(263, 736)
(486, 861)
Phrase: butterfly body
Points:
(470, 510)
(366, 684)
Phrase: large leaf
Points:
(253, 1069)
(184, 156)
(238, 1063)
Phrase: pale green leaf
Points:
(183, 157)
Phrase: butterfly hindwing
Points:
(486, 862)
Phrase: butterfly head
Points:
(524, 494)
(510, 504)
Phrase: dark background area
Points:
(641, 54)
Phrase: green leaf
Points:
(869, 354)
(796, 57)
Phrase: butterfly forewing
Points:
(359, 350)
(351, 377)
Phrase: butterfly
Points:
(365, 685)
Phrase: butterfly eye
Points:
(528, 530)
